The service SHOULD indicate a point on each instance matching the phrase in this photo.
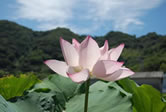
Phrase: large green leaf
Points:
(103, 97)
(55, 89)
(37, 102)
(58, 84)
(145, 97)
(63, 88)
(12, 86)
(48, 96)
(4, 106)
(32, 102)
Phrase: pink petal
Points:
(105, 48)
(76, 44)
(57, 66)
(69, 52)
(115, 52)
(74, 69)
(79, 77)
(104, 51)
(126, 73)
(121, 73)
(111, 50)
(105, 56)
(89, 53)
(104, 67)
(86, 39)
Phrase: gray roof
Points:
(155, 74)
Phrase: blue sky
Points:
(94, 17)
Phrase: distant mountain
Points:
(24, 50)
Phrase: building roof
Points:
(155, 74)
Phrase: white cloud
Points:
(78, 14)
(122, 13)
(45, 10)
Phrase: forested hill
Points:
(24, 50)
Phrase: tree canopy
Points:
(24, 50)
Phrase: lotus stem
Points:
(86, 95)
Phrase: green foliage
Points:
(133, 59)
(57, 93)
(163, 67)
(35, 102)
(15, 41)
(61, 88)
(145, 98)
(50, 95)
(3, 73)
(11, 86)
(57, 83)
(103, 97)
(4, 106)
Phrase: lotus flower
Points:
(84, 60)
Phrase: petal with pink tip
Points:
(79, 77)
(126, 73)
(89, 53)
(105, 48)
(115, 52)
(121, 73)
(105, 56)
(76, 44)
(59, 67)
(104, 67)
(86, 39)
(69, 52)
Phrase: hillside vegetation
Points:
(24, 50)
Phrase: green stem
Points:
(86, 95)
